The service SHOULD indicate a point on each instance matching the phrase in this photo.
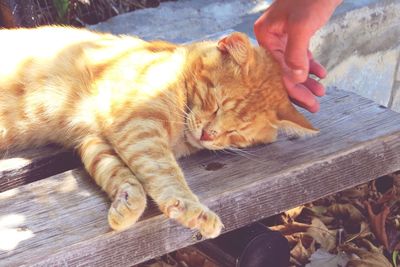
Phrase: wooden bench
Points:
(61, 220)
(52, 214)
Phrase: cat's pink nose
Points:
(205, 136)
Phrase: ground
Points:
(356, 227)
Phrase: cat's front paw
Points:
(194, 215)
(128, 205)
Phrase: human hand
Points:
(285, 29)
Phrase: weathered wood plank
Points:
(61, 220)
(23, 167)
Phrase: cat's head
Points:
(239, 99)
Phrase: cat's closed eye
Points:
(216, 109)
(234, 131)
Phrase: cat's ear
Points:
(294, 123)
(238, 46)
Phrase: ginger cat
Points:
(131, 108)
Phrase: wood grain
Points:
(23, 167)
(61, 220)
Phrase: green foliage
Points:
(62, 9)
(394, 257)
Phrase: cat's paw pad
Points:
(127, 207)
(194, 215)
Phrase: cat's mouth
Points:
(193, 137)
(196, 142)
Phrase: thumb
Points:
(296, 57)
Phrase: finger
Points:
(296, 51)
(275, 43)
(315, 87)
(301, 95)
(279, 57)
(261, 31)
(313, 109)
(266, 37)
(269, 33)
(310, 55)
(317, 69)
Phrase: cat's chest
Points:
(181, 148)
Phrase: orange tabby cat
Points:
(131, 108)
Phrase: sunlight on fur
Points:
(131, 108)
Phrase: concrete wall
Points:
(361, 50)
(184, 20)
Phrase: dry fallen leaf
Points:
(393, 236)
(327, 219)
(364, 232)
(396, 184)
(160, 264)
(325, 201)
(318, 210)
(304, 237)
(378, 222)
(371, 257)
(299, 254)
(359, 191)
(208, 263)
(191, 257)
(290, 228)
(164, 261)
(347, 212)
(322, 235)
(290, 215)
(388, 198)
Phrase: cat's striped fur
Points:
(132, 107)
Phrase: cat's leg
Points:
(116, 179)
(144, 148)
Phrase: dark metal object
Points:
(252, 246)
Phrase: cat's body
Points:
(132, 107)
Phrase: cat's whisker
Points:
(228, 152)
(244, 151)
(162, 108)
(247, 153)
(215, 152)
(185, 111)
(253, 149)
(171, 101)
(175, 122)
(238, 152)
(189, 110)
